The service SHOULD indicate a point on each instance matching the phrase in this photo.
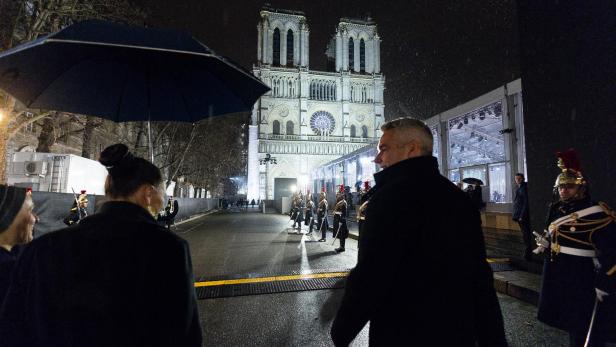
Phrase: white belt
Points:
(338, 213)
(578, 214)
(577, 252)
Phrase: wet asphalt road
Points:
(241, 244)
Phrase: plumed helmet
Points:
(367, 186)
(340, 192)
(571, 171)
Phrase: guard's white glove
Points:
(601, 294)
(542, 243)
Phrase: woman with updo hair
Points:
(115, 279)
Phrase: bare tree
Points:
(26, 20)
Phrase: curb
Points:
(193, 217)
(521, 293)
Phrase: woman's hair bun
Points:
(114, 154)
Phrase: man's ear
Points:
(413, 149)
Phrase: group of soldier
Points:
(303, 211)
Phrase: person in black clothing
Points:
(363, 204)
(91, 284)
(322, 217)
(579, 273)
(521, 214)
(402, 281)
(309, 213)
(340, 212)
(17, 221)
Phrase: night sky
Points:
(434, 54)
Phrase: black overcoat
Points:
(520, 203)
(115, 279)
(422, 278)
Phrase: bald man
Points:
(422, 277)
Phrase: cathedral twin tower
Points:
(310, 118)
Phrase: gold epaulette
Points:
(608, 211)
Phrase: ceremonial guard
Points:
(78, 209)
(340, 219)
(322, 216)
(578, 291)
(299, 213)
(167, 218)
(309, 213)
(294, 207)
(363, 204)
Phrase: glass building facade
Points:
(482, 138)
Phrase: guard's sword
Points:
(592, 321)
(337, 231)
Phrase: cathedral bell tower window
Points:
(290, 48)
(351, 54)
(276, 48)
(276, 127)
(362, 56)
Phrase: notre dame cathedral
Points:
(311, 117)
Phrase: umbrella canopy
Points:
(472, 180)
(126, 73)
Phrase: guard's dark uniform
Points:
(581, 256)
(299, 214)
(322, 217)
(340, 223)
(308, 216)
(75, 215)
(363, 204)
(570, 276)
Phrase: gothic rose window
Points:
(322, 123)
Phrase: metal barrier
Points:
(52, 208)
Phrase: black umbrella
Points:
(126, 73)
(472, 180)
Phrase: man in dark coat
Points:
(117, 272)
(521, 214)
(579, 272)
(405, 282)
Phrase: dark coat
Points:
(422, 277)
(341, 229)
(7, 262)
(115, 279)
(520, 203)
(568, 287)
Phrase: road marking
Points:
(497, 260)
(295, 277)
(270, 279)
